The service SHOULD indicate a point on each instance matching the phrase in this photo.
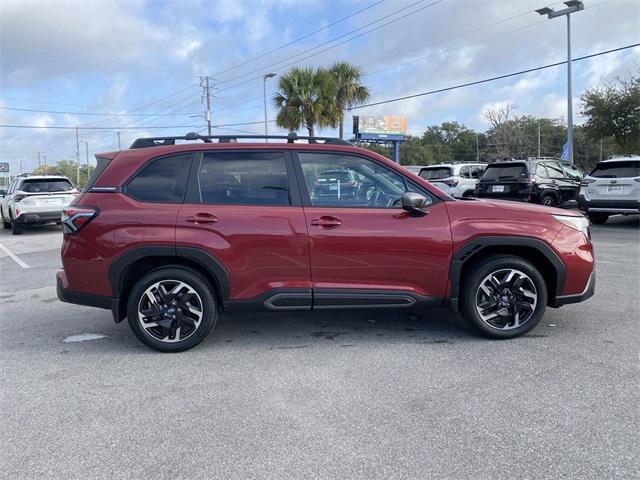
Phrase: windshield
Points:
(435, 173)
(46, 186)
(623, 169)
(505, 171)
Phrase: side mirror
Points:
(414, 203)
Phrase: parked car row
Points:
(612, 188)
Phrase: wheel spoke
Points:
(152, 311)
(149, 325)
(528, 293)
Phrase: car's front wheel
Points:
(503, 297)
(172, 309)
(16, 228)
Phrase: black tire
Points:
(598, 218)
(467, 194)
(470, 293)
(548, 200)
(6, 225)
(16, 229)
(205, 296)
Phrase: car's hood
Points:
(524, 207)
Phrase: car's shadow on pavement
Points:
(300, 330)
(619, 222)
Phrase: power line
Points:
(94, 114)
(435, 2)
(52, 127)
(499, 77)
(300, 38)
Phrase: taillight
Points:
(451, 182)
(586, 181)
(19, 196)
(75, 219)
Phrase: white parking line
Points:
(13, 256)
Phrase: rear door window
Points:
(617, 169)
(46, 185)
(163, 180)
(508, 171)
(435, 173)
(541, 171)
(244, 178)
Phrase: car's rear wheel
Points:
(548, 201)
(172, 309)
(16, 229)
(5, 224)
(503, 297)
(598, 218)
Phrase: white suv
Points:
(456, 179)
(35, 200)
(612, 188)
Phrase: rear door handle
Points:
(326, 222)
(202, 219)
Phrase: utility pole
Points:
(39, 164)
(46, 170)
(538, 139)
(206, 93)
(477, 147)
(600, 149)
(77, 157)
(119, 147)
(264, 96)
(86, 146)
(572, 7)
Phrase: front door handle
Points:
(202, 219)
(326, 222)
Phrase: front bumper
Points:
(580, 297)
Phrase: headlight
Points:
(580, 223)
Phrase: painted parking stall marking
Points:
(13, 256)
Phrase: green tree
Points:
(306, 98)
(450, 141)
(349, 90)
(613, 110)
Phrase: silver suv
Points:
(35, 200)
(612, 188)
(456, 179)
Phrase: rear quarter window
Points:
(163, 180)
(622, 169)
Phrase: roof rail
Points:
(290, 138)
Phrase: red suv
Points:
(169, 235)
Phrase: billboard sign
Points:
(382, 125)
(4, 167)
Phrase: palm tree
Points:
(349, 90)
(306, 99)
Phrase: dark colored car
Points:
(536, 180)
(170, 236)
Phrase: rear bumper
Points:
(609, 206)
(38, 218)
(580, 297)
(79, 298)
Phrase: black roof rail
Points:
(290, 138)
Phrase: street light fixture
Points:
(264, 91)
(572, 7)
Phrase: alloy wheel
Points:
(506, 299)
(170, 311)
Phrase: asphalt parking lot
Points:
(320, 395)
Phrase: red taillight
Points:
(451, 182)
(75, 219)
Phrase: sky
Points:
(140, 62)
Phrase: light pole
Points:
(572, 6)
(264, 91)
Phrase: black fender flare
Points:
(469, 249)
(199, 256)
